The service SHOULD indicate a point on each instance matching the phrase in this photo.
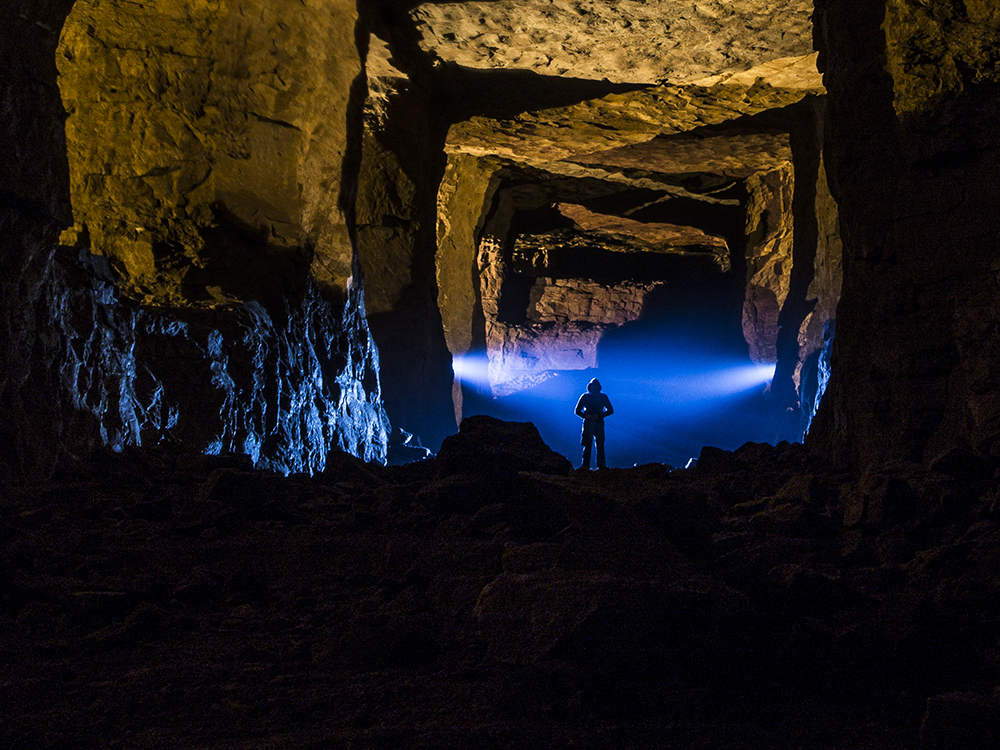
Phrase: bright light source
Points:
(715, 383)
(668, 404)
(472, 369)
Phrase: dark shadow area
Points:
(238, 260)
(807, 147)
(711, 218)
(611, 267)
(471, 93)
(780, 120)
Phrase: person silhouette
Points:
(593, 407)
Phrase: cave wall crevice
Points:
(402, 165)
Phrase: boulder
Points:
(490, 447)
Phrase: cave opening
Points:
(645, 289)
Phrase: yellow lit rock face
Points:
(627, 118)
(769, 260)
(633, 41)
(935, 50)
(463, 199)
(645, 236)
(184, 116)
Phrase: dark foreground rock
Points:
(490, 598)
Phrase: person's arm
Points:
(609, 408)
(579, 408)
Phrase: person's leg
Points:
(599, 439)
(587, 441)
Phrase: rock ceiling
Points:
(666, 68)
(631, 41)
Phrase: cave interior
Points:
(299, 295)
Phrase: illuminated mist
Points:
(676, 386)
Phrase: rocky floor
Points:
(491, 597)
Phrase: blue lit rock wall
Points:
(273, 368)
(283, 387)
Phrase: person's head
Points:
(594, 386)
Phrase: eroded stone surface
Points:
(185, 116)
(628, 41)
(622, 119)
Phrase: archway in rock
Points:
(671, 266)
(368, 139)
(685, 130)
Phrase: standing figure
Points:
(593, 407)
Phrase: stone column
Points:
(913, 155)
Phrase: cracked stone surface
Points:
(620, 119)
(185, 116)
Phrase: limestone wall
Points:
(210, 298)
(186, 115)
(913, 156)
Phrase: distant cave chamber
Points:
(575, 273)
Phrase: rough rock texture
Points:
(648, 236)
(768, 259)
(465, 193)
(913, 164)
(936, 53)
(628, 41)
(557, 300)
(277, 386)
(250, 357)
(186, 116)
(492, 597)
(535, 122)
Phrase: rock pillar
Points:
(913, 152)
